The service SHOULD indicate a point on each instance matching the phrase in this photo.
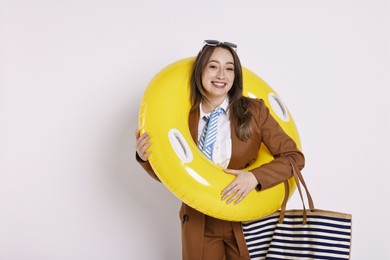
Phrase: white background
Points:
(72, 74)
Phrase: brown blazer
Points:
(265, 130)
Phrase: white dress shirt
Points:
(222, 150)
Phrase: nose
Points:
(221, 74)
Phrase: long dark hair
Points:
(238, 104)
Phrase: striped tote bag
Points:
(299, 234)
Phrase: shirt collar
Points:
(224, 106)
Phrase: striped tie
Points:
(209, 133)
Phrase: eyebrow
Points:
(229, 62)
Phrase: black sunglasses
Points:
(216, 43)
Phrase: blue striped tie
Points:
(209, 133)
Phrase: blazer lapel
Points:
(193, 120)
(235, 143)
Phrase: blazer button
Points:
(185, 218)
(249, 163)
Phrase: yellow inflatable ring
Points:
(179, 164)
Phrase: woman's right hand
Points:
(142, 144)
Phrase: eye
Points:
(213, 65)
(230, 68)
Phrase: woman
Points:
(241, 124)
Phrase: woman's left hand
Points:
(238, 189)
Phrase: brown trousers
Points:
(219, 242)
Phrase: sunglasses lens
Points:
(212, 42)
(231, 45)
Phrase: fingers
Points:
(237, 197)
(235, 189)
(240, 187)
(142, 144)
(229, 191)
(235, 192)
(231, 171)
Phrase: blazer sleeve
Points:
(147, 167)
(281, 146)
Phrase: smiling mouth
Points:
(218, 84)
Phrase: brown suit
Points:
(265, 129)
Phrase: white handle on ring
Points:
(180, 146)
(278, 106)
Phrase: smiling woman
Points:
(240, 155)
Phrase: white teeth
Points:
(219, 84)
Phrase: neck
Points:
(210, 105)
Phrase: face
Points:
(218, 75)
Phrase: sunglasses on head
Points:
(216, 43)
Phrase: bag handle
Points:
(298, 177)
